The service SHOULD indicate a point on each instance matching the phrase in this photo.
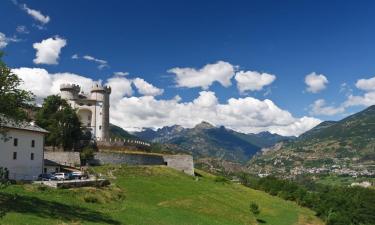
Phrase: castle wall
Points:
(102, 158)
(183, 163)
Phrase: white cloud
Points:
(249, 115)
(22, 29)
(120, 87)
(221, 72)
(4, 40)
(36, 15)
(366, 84)
(319, 107)
(367, 99)
(75, 56)
(48, 50)
(42, 83)
(102, 63)
(121, 73)
(315, 82)
(252, 80)
(145, 88)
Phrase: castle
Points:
(92, 109)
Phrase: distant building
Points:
(21, 150)
(92, 109)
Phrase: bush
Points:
(221, 179)
(254, 209)
(91, 199)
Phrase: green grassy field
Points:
(148, 195)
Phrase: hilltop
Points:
(149, 195)
(345, 147)
(205, 140)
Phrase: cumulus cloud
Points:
(48, 50)
(4, 40)
(221, 72)
(366, 84)
(42, 83)
(145, 88)
(249, 115)
(367, 99)
(319, 107)
(36, 15)
(120, 87)
(252, 80)
(315, 82)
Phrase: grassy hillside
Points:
(148, 195)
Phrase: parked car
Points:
(61, 176)
(46, 177)
(76, 175)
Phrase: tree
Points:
(62, 122)
(13, 100)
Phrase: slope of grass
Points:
(148, 195)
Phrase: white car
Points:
(61, 176)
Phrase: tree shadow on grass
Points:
(50, 209)
(261, 221)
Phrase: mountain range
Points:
(206, 140)
(345, 147)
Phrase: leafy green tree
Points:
(62, 122)
(13, 100)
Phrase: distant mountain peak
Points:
(204, 125)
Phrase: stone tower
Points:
(101, 94)
(69, 91)
(92, 109)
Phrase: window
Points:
(15, 141)
(45, 170)
(32, 156)
(14, 155)
(32, 143)
(100, 127)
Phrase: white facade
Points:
(92, 109)
(22, 153)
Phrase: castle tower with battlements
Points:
(92, 109)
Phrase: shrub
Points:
(221, 179)
(254, 209)
(91, 199)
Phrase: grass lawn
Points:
(148, 195)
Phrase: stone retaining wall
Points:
(182, 163)
(101, 158)
(64, 158)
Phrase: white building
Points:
(22, 150)
(92, 109)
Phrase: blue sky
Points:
(285, 39)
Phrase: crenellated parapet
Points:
(70, 87)
(69, 91)
(100, 88)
